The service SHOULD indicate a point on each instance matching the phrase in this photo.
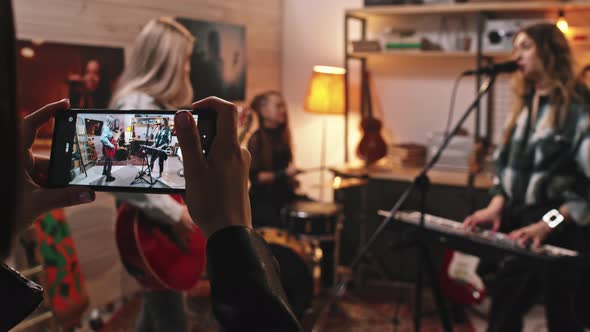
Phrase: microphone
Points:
(502, 67)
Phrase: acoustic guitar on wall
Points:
(372, 147)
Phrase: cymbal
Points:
(342, 183)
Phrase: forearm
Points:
(497, 203)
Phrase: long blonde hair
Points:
(557, 60)
(157, 64)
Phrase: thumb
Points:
(49, 199)
(190, 142)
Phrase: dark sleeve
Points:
(246, 291)
(20, 297)
(168, 137)
(500, 164)
(256, 153)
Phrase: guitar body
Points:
(459, 280)
(151, 256)
(372, 146)
(110, 152)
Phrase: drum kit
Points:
(306, 249)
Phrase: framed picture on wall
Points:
(218, 63)
(49, 72)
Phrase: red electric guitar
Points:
(372, 147)
(458, 274)
(108, 151)
(459, 279)
(150, 253)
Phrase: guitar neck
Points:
(367, 94)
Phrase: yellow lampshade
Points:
(563, 25)
(325, 93)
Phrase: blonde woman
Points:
(107, 138)
(157, 77)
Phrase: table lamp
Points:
(325, 95)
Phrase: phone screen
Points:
(122, 150)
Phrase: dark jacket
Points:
(246, 290)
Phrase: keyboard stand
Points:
(146, 170)
(425, 266)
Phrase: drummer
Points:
(272, 173)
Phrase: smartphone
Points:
(128, 151)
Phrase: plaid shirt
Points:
(542, 165)
(163, 137)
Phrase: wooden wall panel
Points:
(117, 22)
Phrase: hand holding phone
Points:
(216, 185)
(86, 150)
(37, 199)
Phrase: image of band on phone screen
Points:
(134, 151)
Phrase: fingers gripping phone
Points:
(114, 150)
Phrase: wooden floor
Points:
(367, 309)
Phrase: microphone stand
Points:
(422, 183)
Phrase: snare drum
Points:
(312, 218)
(321, 222)
(299, 266)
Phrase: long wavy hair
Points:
(156, 65)
(557, 61)
(265, 144)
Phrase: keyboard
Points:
(152, 149)
(479, 242)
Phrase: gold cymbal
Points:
(341, 183)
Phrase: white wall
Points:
(413, 94)
(312, 35)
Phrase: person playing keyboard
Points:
(541, 189)
(161, 142)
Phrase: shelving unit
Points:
(428, 54)
(145, 122)
(481, 11)
(86, 150)
(469, 7)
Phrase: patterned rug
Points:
(133, 160)
(384, 306)
(125, 176)
(371, 308)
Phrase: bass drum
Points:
(299, 266)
